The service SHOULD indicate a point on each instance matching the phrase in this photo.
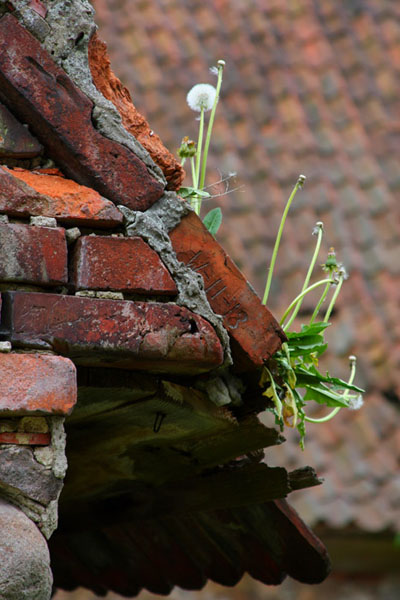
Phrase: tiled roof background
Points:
(309, 87)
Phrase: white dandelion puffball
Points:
(356, 403)
(201, 96)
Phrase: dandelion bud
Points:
(318, 226)
(187, 148)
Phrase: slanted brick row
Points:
(60, 115)
(255, 333)
(120, 264)
(137, 335)
(30, 254)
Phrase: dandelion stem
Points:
(298, 185)
(321, 300)
(333, 299)
(301, 296)
(199, 148)
(335, 411)
(309, 273)
(221, 65)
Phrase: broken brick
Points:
(112, 89)
(60, 115)
(36, 383)
(15, 139)
(24, 193)
(255, 332)
(114, 333)
(120, 264)
(35, 255)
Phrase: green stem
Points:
(193, 167)
(301, 296)
(199, 149)
(277, 401)
(221, 65)
(335, 411)
(321, 300)
(333, 300)
(299, 184)
(324, 419)
(309, 273)
(195, 171)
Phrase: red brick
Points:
(249, 323)
(38, 7)
(60, 115)
(121, 264)
(35, 255)
(112, 89)
(114, 333)
(24, 193)
(15, 139)
(36, 383)
(26, 439)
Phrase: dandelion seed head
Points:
(341, 269)
(356, 402)
(201, 96)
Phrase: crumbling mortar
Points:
(153, 227)
(66, 22)
(45, 516)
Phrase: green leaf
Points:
(313, 329)
(306, 345)
(311, 376)
(323, 395)
(213, 220)
(191, 192)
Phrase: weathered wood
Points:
(304, 477)
(228, 488)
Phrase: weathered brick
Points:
(35, 255)
(112, 88)
(60, 115)
(15, 139)
(122, 264)
(25, 439)
(249, 323)
(36, 383)
(115, 333)
(24, 193)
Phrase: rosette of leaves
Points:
(292, 378)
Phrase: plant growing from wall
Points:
(291, 378)
(295, 366)
(202, 98)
